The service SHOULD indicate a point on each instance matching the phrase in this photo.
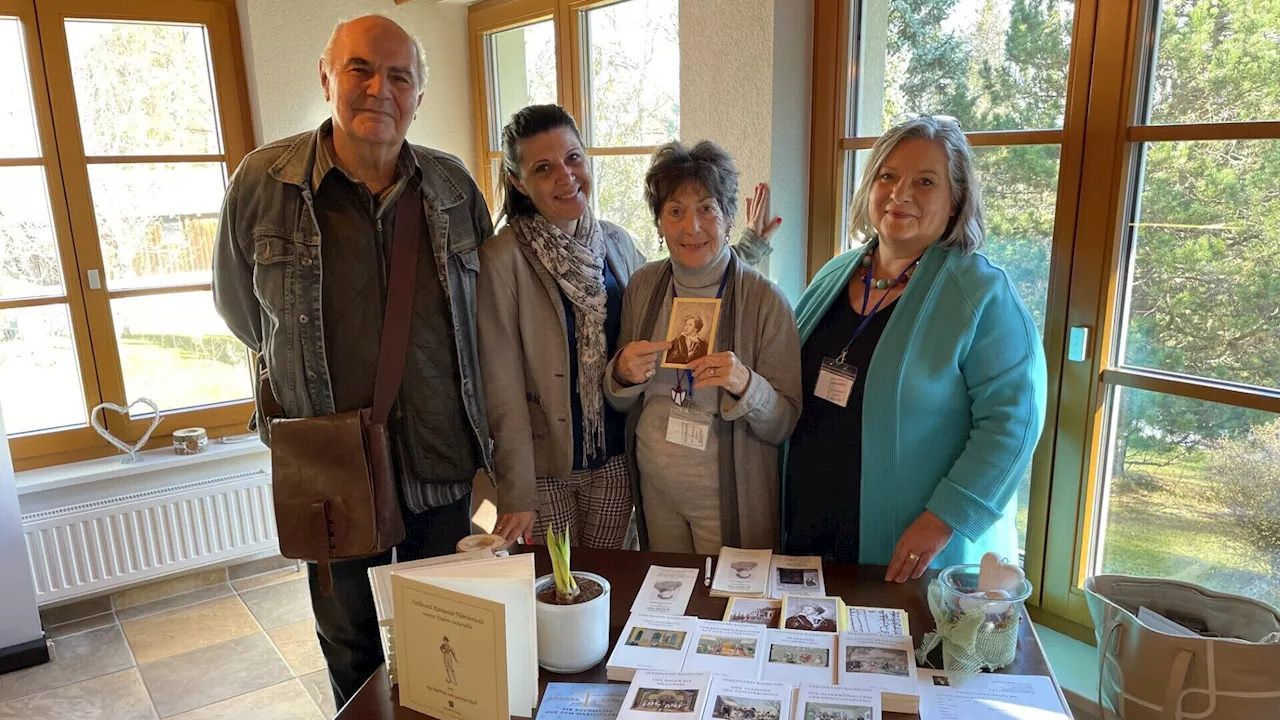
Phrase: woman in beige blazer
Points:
(549, 312)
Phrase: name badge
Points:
(688, 428)
(836, 381)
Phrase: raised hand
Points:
(759, 214)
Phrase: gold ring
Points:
(913, 557)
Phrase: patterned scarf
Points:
(577, 264)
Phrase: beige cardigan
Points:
(524, 357)
(524, 361)
(761, 330)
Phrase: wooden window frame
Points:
(75, 227)
(1100, 139)
(1126, 39)
(492, 16)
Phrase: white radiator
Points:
(94, 546)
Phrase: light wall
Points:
(745, 83)
(283, 40)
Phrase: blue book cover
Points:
(581, 701)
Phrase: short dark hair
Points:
(675, 165)
(697, 321)
(528, 122)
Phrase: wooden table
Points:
(625, 570)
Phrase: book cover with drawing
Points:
(734, 699)
(796, 575)
(650, 642)
(665, 590)
(798, 656)
(507, 581)
(665, 696)
(831, 702)
(813, 614)
(452, 652)
(757, 611)
(380, 583)
(726, 648)
(741, 573)
(581, 701)
(881, 662)
(877, 621)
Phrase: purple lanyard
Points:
(866, 297)
(680, 377)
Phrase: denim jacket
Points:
(267, 270)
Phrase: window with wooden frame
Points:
(1172, 469)
(1004, 71)
(1128, 155)
(118, 126)
(614, 65)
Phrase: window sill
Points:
(60, 477)
(1075, 664)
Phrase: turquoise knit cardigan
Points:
(954, 405)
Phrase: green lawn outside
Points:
(1170, 525)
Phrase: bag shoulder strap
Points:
(395, 320)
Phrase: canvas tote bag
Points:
(1145, 674)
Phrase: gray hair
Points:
(419, 52)
(675, 165)
(967, 229)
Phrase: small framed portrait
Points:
(691, 330)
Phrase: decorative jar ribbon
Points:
(967, 649)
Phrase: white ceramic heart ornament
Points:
(132, 450)
(996, 573)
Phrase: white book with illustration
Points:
(796, 575)
(650, 642)
(380, 583)
(462, 627)
(726, 648)
(877, 621)
(881, 662)
(832, 702)
(798, 656)
(734, 699)
(656, 695)
(741, 573)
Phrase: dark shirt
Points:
(615, 423)
(356, 230)
(824, 463)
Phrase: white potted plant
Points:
(573, 613)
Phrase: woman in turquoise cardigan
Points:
(923, 372)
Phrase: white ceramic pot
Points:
(573, 638)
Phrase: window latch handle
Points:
(1078, 344)
(95, 282)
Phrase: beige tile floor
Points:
(238, 649)
(212, 645)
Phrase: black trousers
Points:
(346, 620)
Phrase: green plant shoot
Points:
(566, 586)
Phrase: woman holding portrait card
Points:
(709, 366)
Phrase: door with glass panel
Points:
(46, 364)
(630, 59)
(145, 152)
(1187, 462)
(520, 70)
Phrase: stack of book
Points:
(882, 665)
(761, 574)
(460, 633)
(704, 696)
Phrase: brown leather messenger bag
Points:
(333, 476)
